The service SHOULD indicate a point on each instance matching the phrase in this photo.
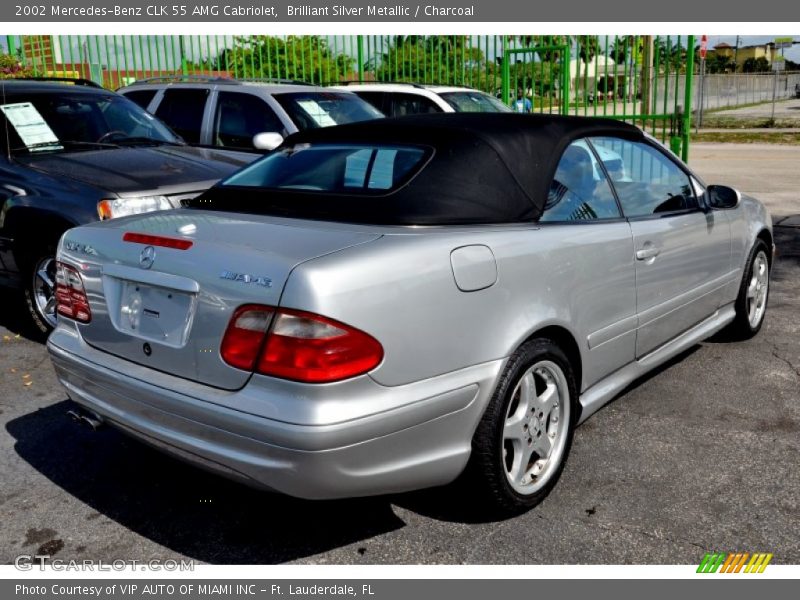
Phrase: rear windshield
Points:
(310, 110)
(332, 168)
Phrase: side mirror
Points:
(722, 196)
(268, 140)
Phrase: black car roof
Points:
(29, 86)
(487, 167)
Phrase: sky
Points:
(792, 53)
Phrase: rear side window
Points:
(346, 169)
(239, 117)
(411, 104)
(141, 97)
(646, 181)
(376, 99)
(182, 110)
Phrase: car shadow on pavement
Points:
(14, 316)
(185, 509)
(787, 241)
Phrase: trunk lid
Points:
(168, 308)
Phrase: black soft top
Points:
(484, 168)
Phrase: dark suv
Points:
(73, 152)
(248, 116)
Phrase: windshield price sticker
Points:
(29, 124)
(316, 112)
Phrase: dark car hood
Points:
(166, 169)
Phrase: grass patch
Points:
(748, 137)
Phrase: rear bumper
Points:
(422, 440)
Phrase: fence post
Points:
(565, 75)
(774, 92)
(687, 102)
(360, 45)
(506, 74)
(676, 135)
(647, 75)
(184, 62)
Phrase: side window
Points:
(240, 116)
(141, 97)
(646, 181)
(11, 138)
(412, 104)
(182, 110)
(380, 165)
(579, 190)
(376, 99)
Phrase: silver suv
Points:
(400, 99)
(245, 115)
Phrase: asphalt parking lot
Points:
(702, 455)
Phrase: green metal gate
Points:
(643, 80)
(640, 79)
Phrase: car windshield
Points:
(473, 101)
(310, 110)
(332, 168)
(48, 122)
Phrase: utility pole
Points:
(647, 74)
(701, 93)
(736, 56)
(686, 124)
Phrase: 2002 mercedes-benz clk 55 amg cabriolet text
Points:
(382, 307)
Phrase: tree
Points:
(716, 63)
(619, 49)
(588, 46)
(307, 58)
(755, 65)
(671, 55)
(11, 67)
(435, 59)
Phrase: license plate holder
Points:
(155, 313)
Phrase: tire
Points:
(38, 281)
(751, 302)
(510, 465)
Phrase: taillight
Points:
(245, 336)
(71, 300)
(297, 345)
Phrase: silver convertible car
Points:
(387, 306)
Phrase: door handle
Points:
(647, 252)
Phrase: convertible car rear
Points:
(385, 307)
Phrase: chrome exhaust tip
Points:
(84, 417)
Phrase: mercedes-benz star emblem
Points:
(147, 257)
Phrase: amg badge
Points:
(246, 278)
